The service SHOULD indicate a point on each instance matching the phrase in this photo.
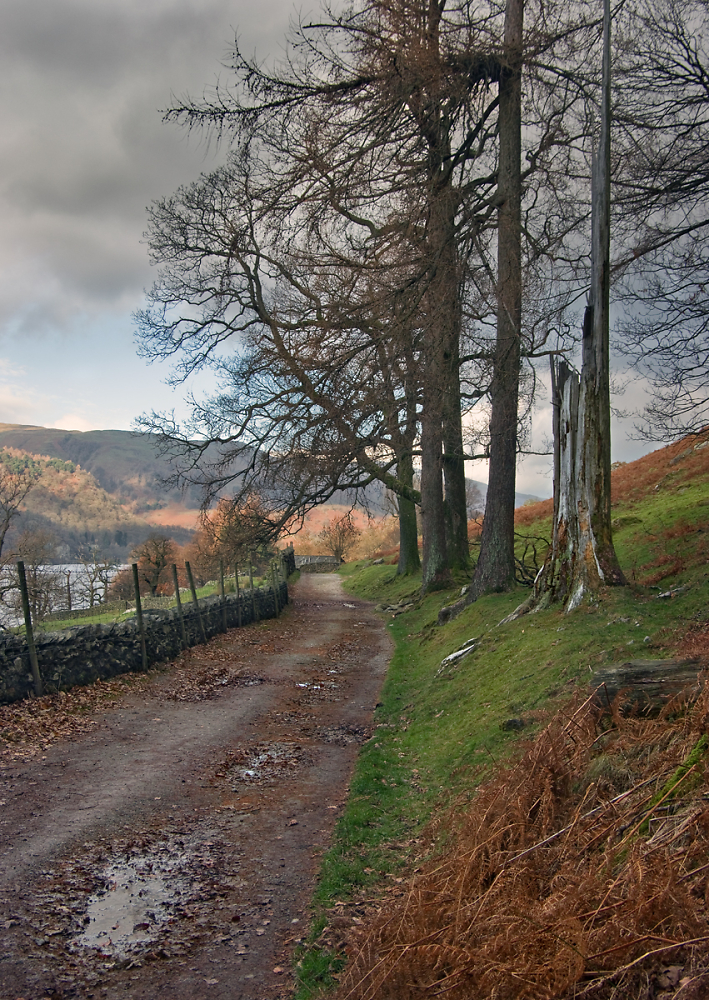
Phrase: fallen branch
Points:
(466, 648)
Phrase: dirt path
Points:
(172, 851)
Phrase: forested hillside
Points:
(128, 470)
(73, 512)
(124, 464)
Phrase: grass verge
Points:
(441, 729)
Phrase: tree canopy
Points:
(399, 235)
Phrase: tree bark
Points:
(409, 559)
(435, 554)
(495, 570)
(562, 566)
(594, 399)
(454, 453)
(583, 540)
(441, 417)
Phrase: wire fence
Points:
(51, 661)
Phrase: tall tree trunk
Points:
(453, 451)
(496, 567)
(409, 560)
(435, 554)
(594, 398)
(560, 567)
(444, 520)
(436, 572)
(582, 556)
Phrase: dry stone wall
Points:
(86, 653)
(317, 564)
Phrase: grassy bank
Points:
(441, 730)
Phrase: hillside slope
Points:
(124, 464)
(128, 466)
(660, 506)
(72, 509)
(426, 890)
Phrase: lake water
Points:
(63, 586)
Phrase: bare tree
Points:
(45, 588)
(92, 585)
(325, 394)
(339, 535)
(495, 568)
(474, 501)
(661, 217)
(582, 557)
(236, 532)
(391, 98)
(154, 556)
(374, 161)
(18, 475)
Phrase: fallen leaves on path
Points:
(30, 727)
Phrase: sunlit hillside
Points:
(72, 509)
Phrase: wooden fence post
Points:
(238, 594)
(34, 663)
(179, 606)
(223, 594)
(139, 615)
(253, 596)
(195, 601)
(275, 590)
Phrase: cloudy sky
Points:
(83, 151)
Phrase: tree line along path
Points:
(171, 850)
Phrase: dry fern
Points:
(570, 872)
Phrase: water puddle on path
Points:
(136, 901)
(266, 762)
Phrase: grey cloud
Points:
(83, 149)
(97, 43)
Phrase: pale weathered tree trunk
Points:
(582, 556)
(594, 449)
(496, 567)
(558, 574)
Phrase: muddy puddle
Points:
(266, 762)
(119, 900)
(137, 900)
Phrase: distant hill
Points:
(99, 488)
(124, 491)
(124, 464)
(67, 503)
(520, 498)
